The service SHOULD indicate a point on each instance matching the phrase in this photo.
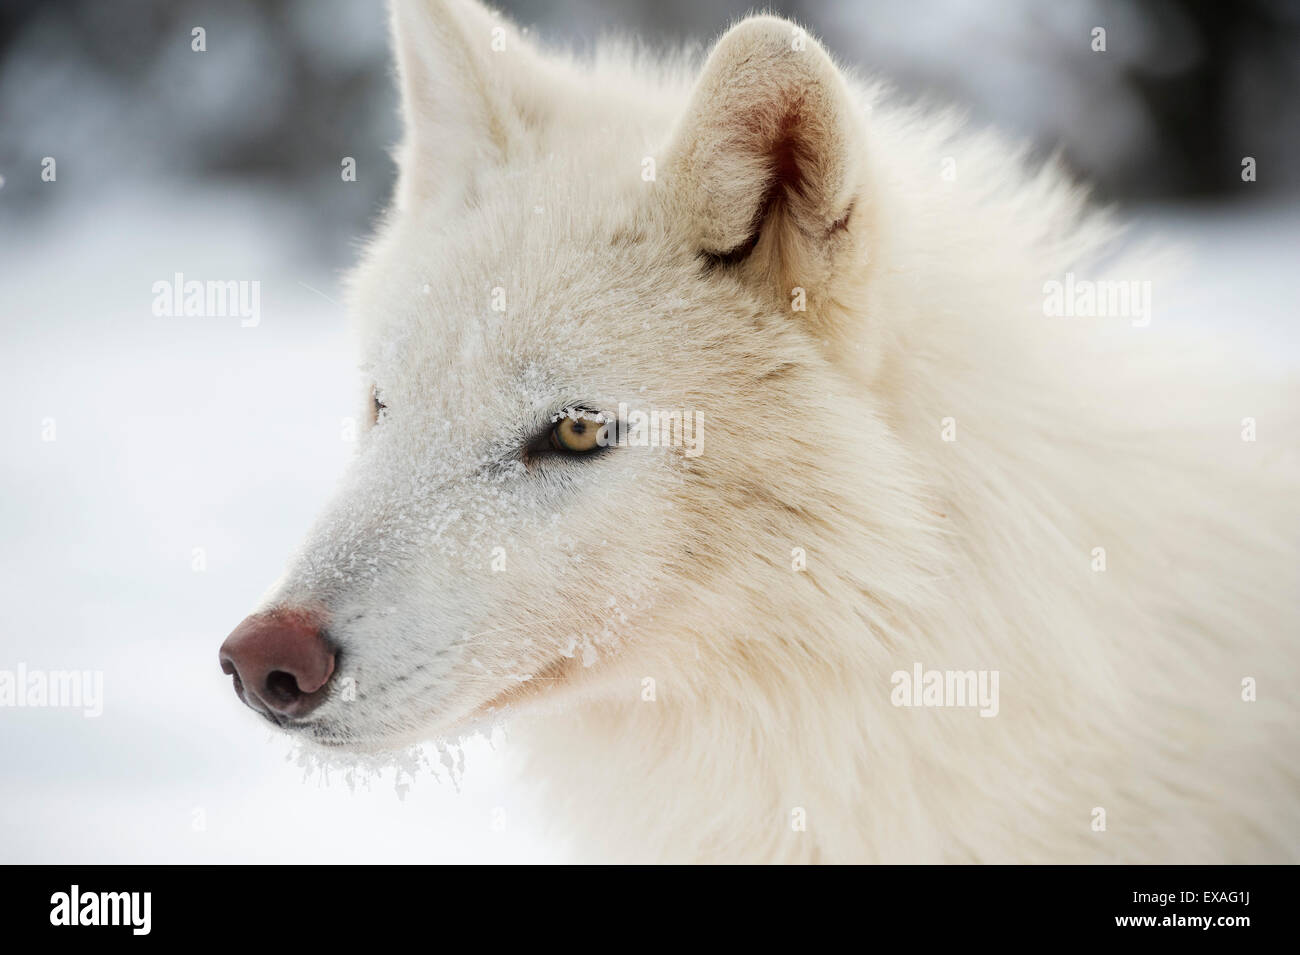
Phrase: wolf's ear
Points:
(473, 92)
(767, 163)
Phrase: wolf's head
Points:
(605, 379)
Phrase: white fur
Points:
(522, 171)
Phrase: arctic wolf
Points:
(954, 575)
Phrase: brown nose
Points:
(281, 662)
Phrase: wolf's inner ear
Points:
(474, 93)
(767, 162)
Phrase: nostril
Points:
(282, 688)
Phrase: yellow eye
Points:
(576, 435)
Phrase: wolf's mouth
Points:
(332, 736)
(527, 691)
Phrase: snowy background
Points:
(173, 434)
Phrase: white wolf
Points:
(908, 465)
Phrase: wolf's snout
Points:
(281, 662)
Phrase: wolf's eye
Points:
(576, 435)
